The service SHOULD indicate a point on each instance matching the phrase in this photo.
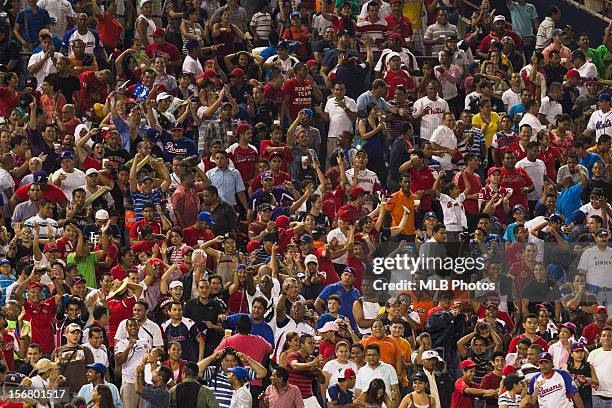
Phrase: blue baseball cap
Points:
(545, 356)
(101, 368)
(4, 261)
(67, 155)
(40, 177)
(240, 267)
(430, 214)
(205, 216)
(518, 207)
(555, 217)
(605, 97)
(240, 372)
(309, 112)
(305, 239)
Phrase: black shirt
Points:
(554, 74)
(224, 217)
(201, 312)
(536, 292)
(68, 85)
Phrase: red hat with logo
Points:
(241, 128)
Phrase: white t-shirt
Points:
(597, 264)
(135, 356)
(534, 122)
(601, 360)
(285, 65)
(588, 70)
(157, 340)
(88, 38)
(551, 109)
(6, 182)
(434, 110)
(536, 171)
(601, 123)
(47, 68)
(366, 179)
(510, 98)
(445, 137)
(59, 11)
(338, 119)
(454, 213)
(192, 65)
(342, 239)
(71, 182)
(554, 390)
(100, 354)
(384, 371)
(336, 369)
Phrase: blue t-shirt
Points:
(568, 200)
(36, 22)
(334, 393)
(589, 160)
(183, 147)
(348, 298)
(262, 329)
(326, 317)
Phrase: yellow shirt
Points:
(607, 157)
(413, 10)
(491, 130)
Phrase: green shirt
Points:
(86, 266)
(605, 59)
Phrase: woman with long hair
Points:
(419, 397)
(560, 350)
(375, 396)
(583, 373)
(174, 362)
(224, 33)
(562, 137)
(333, 368)
(494, 197)
(298, 31)
(9, 95)
(291, 344)
(102, 397)
(373, 131)
(191, 28)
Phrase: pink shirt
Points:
(253, 346)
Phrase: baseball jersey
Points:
(434, 110)
(601, 123)
(556, 391)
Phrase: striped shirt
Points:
(301, 379)
(436, 31)
(139, 199)
(375, 30)
(261, 24)
(220, 385)
(506, 399)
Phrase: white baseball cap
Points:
(499, 18)
(311, 258)
(427, 354)
(102, 215)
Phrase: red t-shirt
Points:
(518, 150)
(471, 205)
(327, 266)
(422, 180)
(88, 80)
(515, 179)
(399, 24)
(460, 400)
(41, 318)
(208, 164)
(549, 157)
(490, 381)
(192, 235)
(71, 125)
(91, 163)
(286, 155)
(299, 95)
(135, 230)
(514, 253)
(591, 332)
(109, 30)
(275, 95)
(515, 340)
(393, 79)
(245, 161)
(164, 50)
(8, 349)
(521, 275)
(143, 246)
(50, 192)
(332, 201)
(8, 101)
(501, 315)
(119, 310)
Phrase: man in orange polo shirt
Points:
(390, 352)
(403, 198)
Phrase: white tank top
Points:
(370, 311)
(150, 28)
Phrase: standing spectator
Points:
(376, 369)
(73, 357)
(546, 28)
(437, 33)
(129, 353)
(429, 110)
(28, 24)
(190, 393)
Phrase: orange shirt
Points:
(396, 205)
(406, 350)
(607, 157)
(421, 306)
(389, 350)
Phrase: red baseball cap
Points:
(357, 192)
(600, 309)
(573, 73)
(158, 32)
(467, 364)
(237, 73)
(241, 128)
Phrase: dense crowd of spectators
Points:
(214, 204)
